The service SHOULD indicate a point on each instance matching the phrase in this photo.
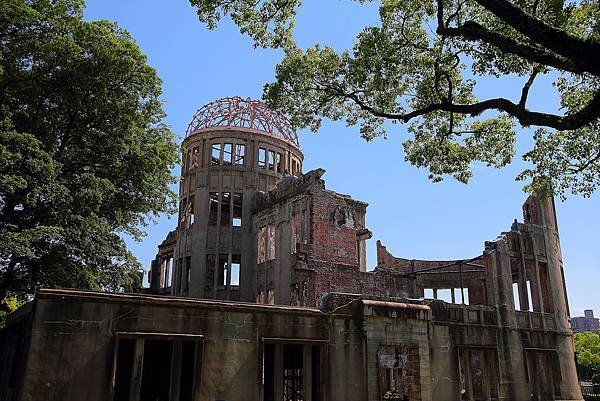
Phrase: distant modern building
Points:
(262, 293)
(584, 323)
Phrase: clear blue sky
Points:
(413, 217)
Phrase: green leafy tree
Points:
(420, 66)
(84, 157)
(587, 346)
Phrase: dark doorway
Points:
(124, 369)
(156, 373)
(293, 373)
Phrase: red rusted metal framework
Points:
(243, 113)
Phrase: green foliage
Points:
(7, 306)
(83, 154)
(587, 346)
(421, 64)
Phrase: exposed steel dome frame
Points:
(243, 113)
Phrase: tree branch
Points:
(473, 31)
(525, 90)
(585, 54)
(525, 117)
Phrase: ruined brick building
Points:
(262, 293)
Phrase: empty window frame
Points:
(182, 212)
(189, 213)
(517, 296)
(215, 159)
(298, 231)
(398, 367)
(279, 162)
(222, 270)
(298, 372)
(240, 154)
(271, 160)
(461, 296)
(478, 373)
(225, 208)
(227, 154)
(262, 158)
(237, 209)
(213, 208)
(195, 157)
(234, 278)
(186, 270)
(165, 273)
(293, 373)
(445, 294)
(294, 166)
(450, 295)
(155, 369)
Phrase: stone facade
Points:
(262, 293)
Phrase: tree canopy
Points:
(84, 157)
(587, 346)
(420, 66)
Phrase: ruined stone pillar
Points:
(514, 385)
(569, 386)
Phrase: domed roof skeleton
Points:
(240, 113)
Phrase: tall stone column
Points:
(511, 356)
(569, 386)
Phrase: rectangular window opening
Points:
(186, 274)
(515, 288)
(216, 154)
(293, 372)
(271, 160)
(213, 208)
(189, 350)
(296, 230)
(225, 208)
(195, 157)
(262, 158)
(428, 293)
(165, 368)
(222, 270)
(124, 369)
(235, 269)
(279, 163)
(190, 212)
(458, 296)
(444, 294)
(240, 153)
(237, 209)
(227, 154)
(156, 381)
